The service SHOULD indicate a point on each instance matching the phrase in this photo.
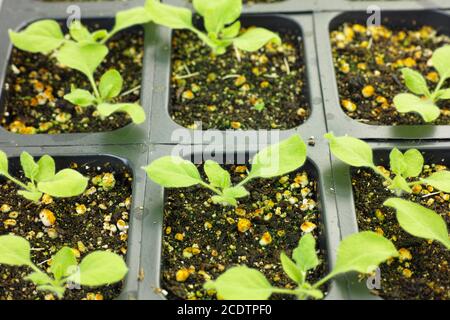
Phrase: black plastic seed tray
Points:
(437, 153)
(318, 163)
(166, 131)
(337, 120)
(19, 13)
(133, 157)
(361, 5)
(284, 6)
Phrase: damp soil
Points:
(203, 239)
(95, 229)
(373, 57)
(266, 89)
(35, 86)
(423, 269)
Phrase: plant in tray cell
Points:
(276, 160)
(96, 269)
(421, 99)
(222, 26)
(406, 167)
(84, 51)
(361, 252)
(43, 178)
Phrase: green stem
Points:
(246, 180)
(379, 172)
(109, 36)
(438, 87)
(210, 187)
(18, 182)
(94, 87)
(322, 281)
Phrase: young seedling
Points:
(276, 160)
(422, 100)
(361, 252)
(43, 178)
(85, 51)
(220, 21)
(96, 269)
(412, 217)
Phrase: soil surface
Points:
(86, 223)
(35, 86)
(368, 62)
(202, 239)
(266, 89)
(423, 269)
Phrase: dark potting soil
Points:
(85, 223)
(423, 270)
(266, 89)
(202, 239)
(35, 86)
(368, 62)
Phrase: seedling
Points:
(96, 269)
(422, 100)
(43, 178)
(84, 51)
(276, 160)
(361, 252)
(221, 24)
(413, 218)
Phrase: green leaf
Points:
(99, 34)
(305, 254)
(291, 269)
(3, 163)
(39, 278)
(441, 61)
(173, 172)
(131, 17)
(14, 251)
(218, 13)
(241, 283)
(134, 110)
(41, 36)
(399, 183)
(80, 97)
(352, 151)
(29, 166)
(231, 31)
(84, 58)
(439, 180)
(224, 200)
(406, 102)
(415, 82)
(279, 159)
(169, 16)
(420, 221)
(414, 161)
(397, 162)
(256, 38)
(32, 196)
(110, 84)
(363, 252)
(80, 33)
(47, 168)
(236, 192)
(443, 94)
(100, 268)
(65, 184)
(63, 263)
(217, 176)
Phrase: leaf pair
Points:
(44, 178)
(96, 269)
(220, 20)
(413, 218)
(361, 252)
(422, 101)
(276, 160)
